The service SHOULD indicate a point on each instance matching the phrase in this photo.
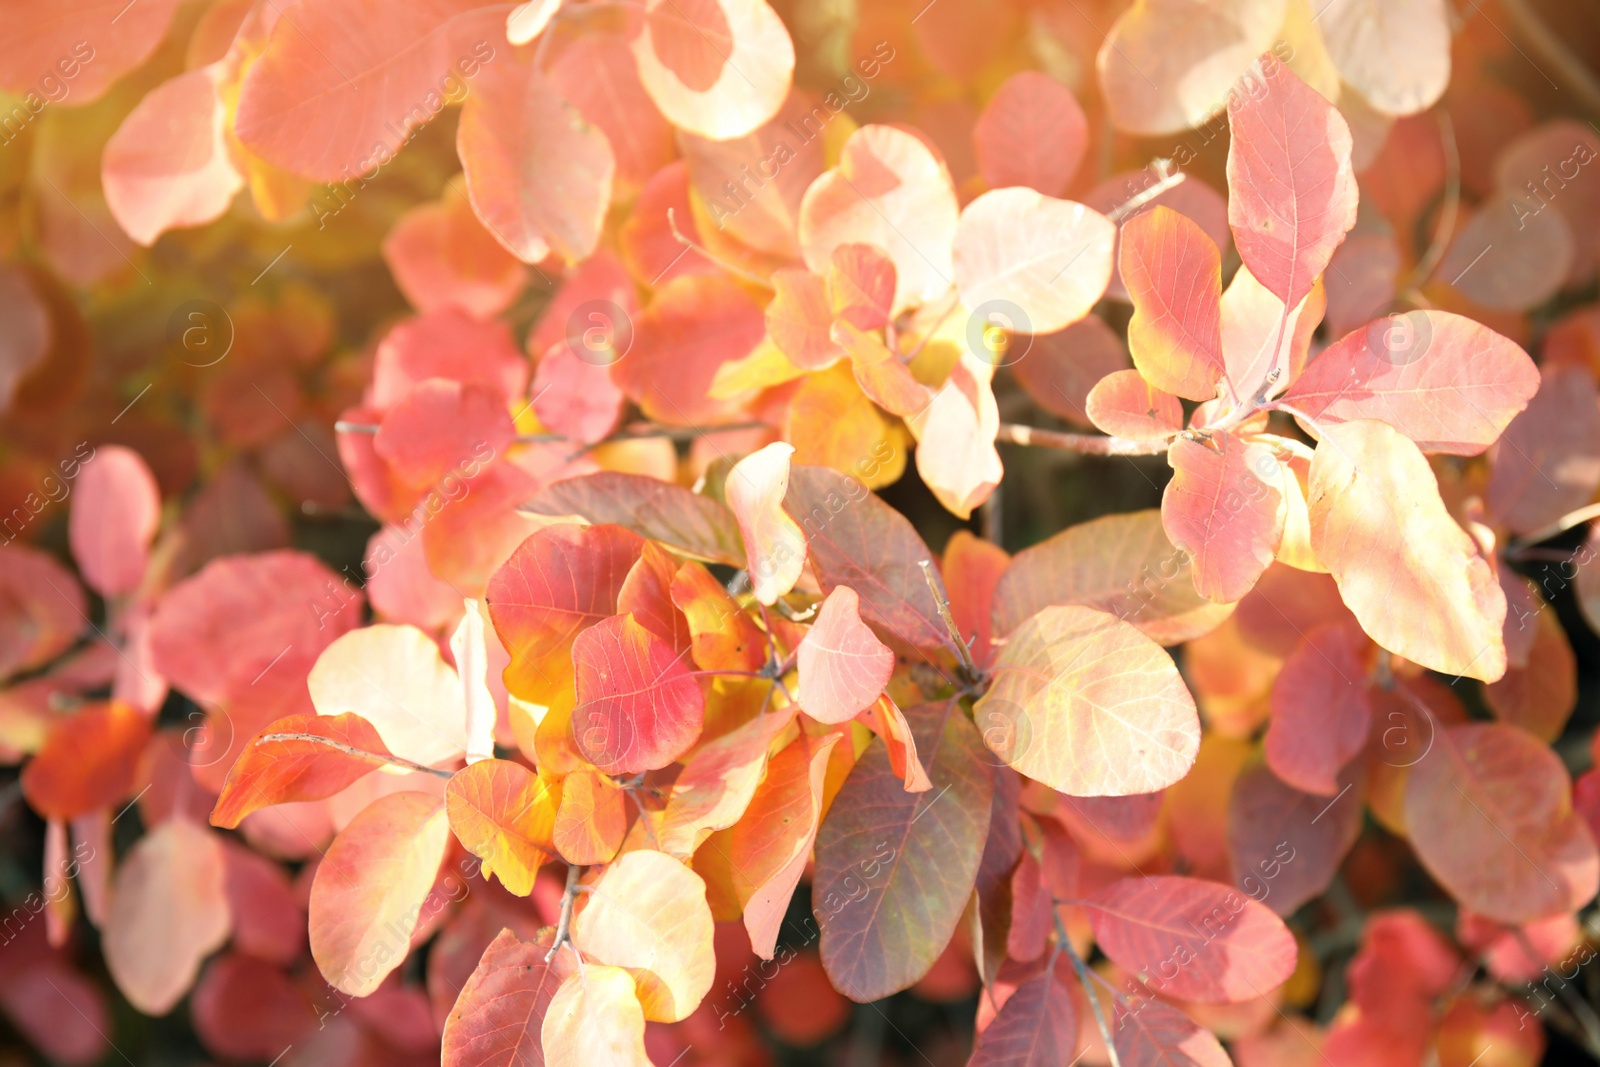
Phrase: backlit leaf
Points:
(1048, 258)
(1032, 132)
(370, 887)
(1173, 274)
(87, 761)
(716, 785)
(505, 815)
(87, 41)
(717, 68)
(889, 887)
(395, 678)
(1093, 706)
(638, 706)
(1416, 581)
(648, 914)
(1396, 55)
(594, 1020)
(497, 1017)
(1490, 815)
(843, 666)
(694, 524)
(1192, 939)
(1125, 404)
(285, 772)
(1292, 192)
(773, 542)
(591, 820)
(1225, 507)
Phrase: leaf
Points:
(1250, 317)
(1125, 404)
(537, 174)
(498, 1015)
(1285, 846)
(594, 1021)
(879, 371)
(1397, 56)
(1416, 581)
(505, 815)
(638, 706)
(559, 581)
(1489, 812)
(1045, 261)
(168, 165)
(87, 761)
(1292, 192)
(1091, 706)
(1157, 1035)
(861, 284)
(27, 342)
(888, 190)
(528, 20)
(972, 569)
(768, 849)
(1032, 133)
(395, 678)
(441, 256)
(1122, 564)
(168, 912)
(716, 786)
(575, 396)
(723, 637)
(1037, 1026)
(1541, 693)
(287, 772)
(685, 520)
(773, 542)
(890, 724)
(1225, 507)
(1192, 939)
(1446, 382)
(887, 893)
(1538, 252)
(33, 47)
(956, 456)
(695, 324)
(342, 87)
(592, 819)
(646, 594)
(1168, 65)
(648, 913)
(717, 68)
(843, 666)
(1059, 369)
(1547, 462)
(1321, 712)
(471, 653)
(799, 318)
(832, 423)
(370, 887)
(1173, 272)
(855, 539)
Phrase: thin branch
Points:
(627, 433)
(1087, 444)
(1578, 78)
(564, 924)
(1169, 179)
(1064, 944)
(948, 618)
(1448, 214)
(1560, 526)
(359, 753)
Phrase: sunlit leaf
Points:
(1173, 274)
(843, 666)
(717, 68)
(505, 815)
(594, 1019)
(497, 1017)
(1225, 507)
(638, 706)
(395, 678)
(773, 542)
(288, 771)
(1032, 132)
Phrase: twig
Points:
(564, 924)
(1448, 214)
(359, 753)
(948, 618)
(629, 433)
(1559, 526)
(1087, 444)
(1064, 944)
(1579, 78)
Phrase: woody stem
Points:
(948, 618)
(564, 924)
(1064, 944)
(359, 753)
(1087, 444)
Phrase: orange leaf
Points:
(723, 637)
(1125, 404)
(505, 815)
(286, 772)
(592, 819)
(716, 785)
(1174, 277)
(87, 761)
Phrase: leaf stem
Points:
(948, 618)
(1559, 526)
(1087, 444)
(1064, 944)
(564, 923)
(1572, 70)
(359, 753)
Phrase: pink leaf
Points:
(115, 513)
(638, 707)
(1125, 404)
(87, 43)
(1293, 194)
(843, 666)
(1320, 709)
(1225, 507)
(1033, 133)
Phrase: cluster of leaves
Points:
(638, 705)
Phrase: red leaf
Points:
(1191, 939)
(441, 256)
(1444, 381)
(538, 176)
(1292, 192)
(245, 1009)
(1174, 277)
(283, 772)
(440, 426)
(446, 343)
(1032, 132)
(1036, 1027)
(498, 1016)
(638, 706)
(596, 73)
(87, 761)
(42, 609)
